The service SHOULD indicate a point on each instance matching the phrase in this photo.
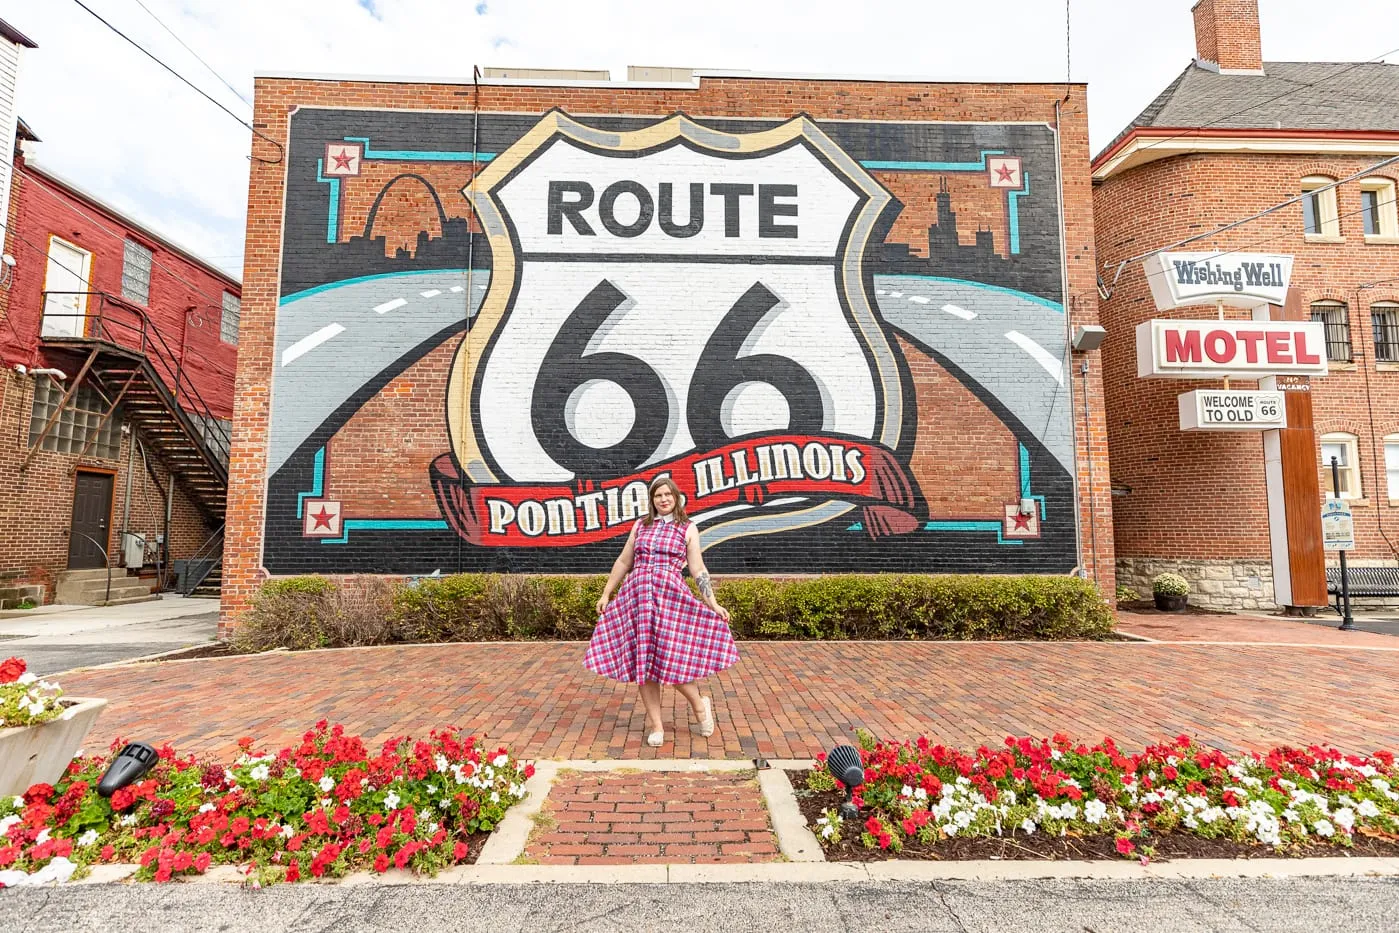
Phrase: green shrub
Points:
(313, 612)
(1125, 594)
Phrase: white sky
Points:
(118, 125)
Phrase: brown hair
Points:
(678, 513)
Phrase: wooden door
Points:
(92, 511)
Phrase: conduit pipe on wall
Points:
(1068, 355)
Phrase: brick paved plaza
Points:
(791, 700)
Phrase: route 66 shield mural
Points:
(844, 340)
(674, 300)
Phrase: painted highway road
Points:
(338, 338)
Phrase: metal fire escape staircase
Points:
(126, 358)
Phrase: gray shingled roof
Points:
(1289, 96)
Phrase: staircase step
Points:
(96, 573)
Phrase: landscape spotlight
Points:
(845, 765)
(128, 767)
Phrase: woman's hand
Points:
(601, 604)
(723, 613)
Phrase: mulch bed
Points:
(1019, 845)
(1148, 607)
(221, 650)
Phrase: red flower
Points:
(459, 851)
(1169, 773)
(381, 863)
(11, 670)
(38, 792)
(872, 825)
(885, 840)
(1124, 846)
(293, 872)
(107, 854)
(201, 862)
(529, 771)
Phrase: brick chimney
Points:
(1227, 36)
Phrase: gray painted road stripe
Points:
(310, 342)
(962, 313)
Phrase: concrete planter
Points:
(38, 754)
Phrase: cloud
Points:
(118, 125)
(481, 8)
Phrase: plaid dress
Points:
(655, 630)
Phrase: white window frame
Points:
(1349, 466)
(1386, 210)
(134, 287)
(1391, 465)
(1327, 216)
(1390, 349)
(230, 318)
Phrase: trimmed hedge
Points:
(312, 612)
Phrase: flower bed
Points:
(1056, 799)
(25, 700)
(322, 808)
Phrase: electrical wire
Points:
(208, 67)
(1370, 406)
(281, 151)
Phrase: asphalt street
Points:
(339, 338)
(1278, 906)
(52, 639)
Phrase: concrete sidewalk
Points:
(52, 639)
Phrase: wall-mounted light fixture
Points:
(7, 270)
(1088, 337)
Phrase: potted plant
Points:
(1170, 592)
(40, 729)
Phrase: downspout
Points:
(1068, 355)
(126, 504)
(165, 547)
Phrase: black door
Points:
(92, 508)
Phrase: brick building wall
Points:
(36, 503)
(364, 442)
(1196, 501)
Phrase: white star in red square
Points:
(341, 160)
(1004, 171)
(321, 518)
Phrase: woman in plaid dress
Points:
(656, 632)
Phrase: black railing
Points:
(1386, 328)
(202, 562)
(117, 321)
(1337, 334)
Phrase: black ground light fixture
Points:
(845, 765)
(128, 767)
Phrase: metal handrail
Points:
(106, 562)
(191, 582)
(153, 346)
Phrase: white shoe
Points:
(706, 723)
(656, 739)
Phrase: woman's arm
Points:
(620, 568)
(695, 556)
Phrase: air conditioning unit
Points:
(133, 549)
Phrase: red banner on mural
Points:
(753, 471)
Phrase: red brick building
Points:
(119, 350)
(839, 312)
(1232, 136)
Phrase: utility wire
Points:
(42, 184)
(208, 67)
(281, 152)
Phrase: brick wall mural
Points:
(844, 340)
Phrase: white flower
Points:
(441, 761)
(88, 838)
(1056, 754)
(1094, 811)
(6, 823)
(827, 831)
(391, 800)
(906, 792)
(1345, 818)
(495, 797)
(58, 871)
(500, 760)
(288, 832)
(26, 678)
(42, 838)
(1378, 783)
(129, 820)
(1009, 798)
(922, 794)
(327, 784)
(1324, 828)
(1028, 826)
(259, 773)
(325, 802)
(1290, 815)
(19, 802)
(1367, 808)
(205, 808)
(431, 828)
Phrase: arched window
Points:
(1319, 215)
(1346, 451)
(1384, 319)
(1335, 316)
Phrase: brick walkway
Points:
(1250, 629)
(612, 818)
(783, 700)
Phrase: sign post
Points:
(1338, 533)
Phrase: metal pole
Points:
(1347, 621)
